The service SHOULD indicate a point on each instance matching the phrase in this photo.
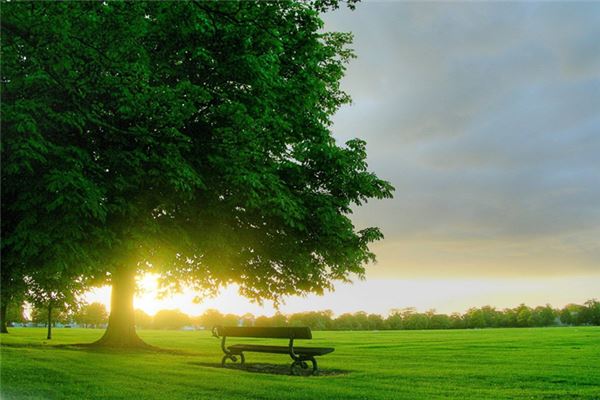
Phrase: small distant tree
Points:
(491, 316)
(278, 319)
(317, 320)
(591, 312)
(297, 319)
(474, 318)
(565, 316)
(415, 321)
(361, 320)
(456, 321)
(394, 320)
(171, 319)
(231, 320)
(507, 318)
(439, 321)
(347, 322)
(53, 292)
(247, 319)
(38, 316)
(543, 315)
(523, 315)
(262, 321)
(572, 314)
(211, 318)
(92, 315)
(142, 319)
(64, 316)
(15, 313)
(376, 322)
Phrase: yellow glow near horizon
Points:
(380, 296)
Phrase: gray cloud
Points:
(486, 117)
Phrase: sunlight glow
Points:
(380, 296)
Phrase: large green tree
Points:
(191, 139)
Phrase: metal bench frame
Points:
(299, 362)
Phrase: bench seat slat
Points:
(286, 332)
(258, 348)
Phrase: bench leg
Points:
(315, 370)
(233, 358)
(300, 364)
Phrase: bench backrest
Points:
(265, 332)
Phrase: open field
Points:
(536, 363)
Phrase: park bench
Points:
(300, 355)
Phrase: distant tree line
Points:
(95, 315)
(410, 319)
(92, 315)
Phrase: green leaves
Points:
(191, 138)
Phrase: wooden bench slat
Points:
(265, 332)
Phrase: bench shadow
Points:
(262, 368)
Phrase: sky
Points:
(486, 119)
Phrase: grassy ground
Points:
(537, 363)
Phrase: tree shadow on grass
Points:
(25, 345)
(94, 348)
(261, 368)
(146, 349)
(273, 369)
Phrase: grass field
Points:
(537, 363)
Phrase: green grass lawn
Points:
(537, 363)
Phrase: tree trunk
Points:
(121, 324)
(49, 322)
(3, 309)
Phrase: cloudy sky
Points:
(486, 118)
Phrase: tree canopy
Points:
(192, 139)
